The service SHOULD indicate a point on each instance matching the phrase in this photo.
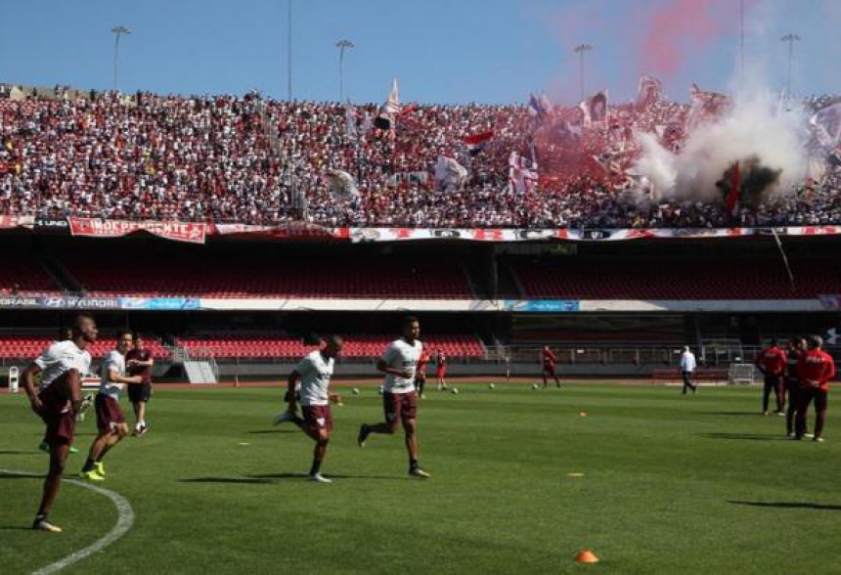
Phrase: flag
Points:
(732, 201)
(594, 108)
(351, 130)
(827, 125)
(705, 105)
(449, 174)
(476, 142)
(522, 174)
(342, 185)
(648, 92)
(390, 109)
(539, 106)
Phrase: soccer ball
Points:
(454, 391)
(534, 386)
(355, 391)
(491, 386)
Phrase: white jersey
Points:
(403, 356)
(687, 361)
(59, 358)
(315, 378)
(114, 361)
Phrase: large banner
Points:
(183, 232)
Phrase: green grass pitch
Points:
(671, 484)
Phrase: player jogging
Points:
(816, 369)
(549, 362)
(399, 363)
(110, 422)
(441, 369)
(313, 374)
(772, 361)
(62, 367)
(139, 361)
(420, 373)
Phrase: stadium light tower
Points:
(343, 45)
(289, 52)
(582, 49)
(118, 31)
(791, 39)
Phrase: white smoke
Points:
(755, 127)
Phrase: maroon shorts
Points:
(400, 406)
(440, 372)
(548, 369)
(317, 417)
(108, 413)
(59, 419)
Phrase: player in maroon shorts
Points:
(139, 361)
(441, 369)
(549, 361)
(313, 373)
(420, 374)
(110, 422)
(796, 347)
(399, 363)
(772, 361)
(816, 369)
(62, 366)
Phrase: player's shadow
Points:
(733, 413)
(18, 452)
(283, 476)
(235, 480)
(789, 505)
(273, 431)
(745, 436)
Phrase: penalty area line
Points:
(124, 523)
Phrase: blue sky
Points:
(449, 51)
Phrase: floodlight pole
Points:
(118, 31)
(791, 39)
(343, 45)
(581, 49)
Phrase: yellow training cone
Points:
(586, 556)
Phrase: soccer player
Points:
(313, 373)
(440, 369)
(549, 362)
(64, 334)
(139, 361)
(796, 347)
(110, 422)
(687, 368)
(420, 374)
(816, 369)
(399, 363)
(62, 367)
(772, 361)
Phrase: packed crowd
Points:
(248, 160)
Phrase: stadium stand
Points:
(356, 346)
(32, 346)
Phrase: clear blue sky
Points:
(450, 51)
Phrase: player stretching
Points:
(549, 362)
(62, 366)
(796, 347)
(420, 373)
(772, 361)
(139, 361)
(65, 334)
(110, 422)
(816, 368)
(399, 363)
(313, 374)
(441, 369)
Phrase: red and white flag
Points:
(649, 91)
(476, 142)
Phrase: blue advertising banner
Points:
(541, 305)
(160, 303)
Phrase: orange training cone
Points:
(586, 556)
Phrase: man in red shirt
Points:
(549, 366)
(420, 373)
(139, 361)
(441, 369)
(771, 361)
(816, 369)
(796, 347)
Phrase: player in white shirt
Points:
(400, 400)
(313, 374)
(110, 421)
(687, 368)
(62, 367)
